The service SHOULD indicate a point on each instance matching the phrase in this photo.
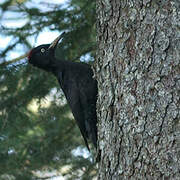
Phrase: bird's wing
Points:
(77, 111)
(73, 98)
(88, 98)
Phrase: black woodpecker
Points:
(77, 83)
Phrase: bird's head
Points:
(43, 56)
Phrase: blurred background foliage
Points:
(38, 134)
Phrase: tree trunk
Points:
(138, 73)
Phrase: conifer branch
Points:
(14, 60)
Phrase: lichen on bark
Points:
(138, 73)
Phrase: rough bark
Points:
(138, 73)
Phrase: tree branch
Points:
(14, 60)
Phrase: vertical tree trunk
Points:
(138, 73)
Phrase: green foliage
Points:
(37, 130)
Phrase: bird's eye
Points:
(42, 50)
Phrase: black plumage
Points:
(77, 83)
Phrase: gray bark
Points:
(138, 73)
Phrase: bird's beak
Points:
(55, 42)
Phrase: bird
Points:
(76, 81)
